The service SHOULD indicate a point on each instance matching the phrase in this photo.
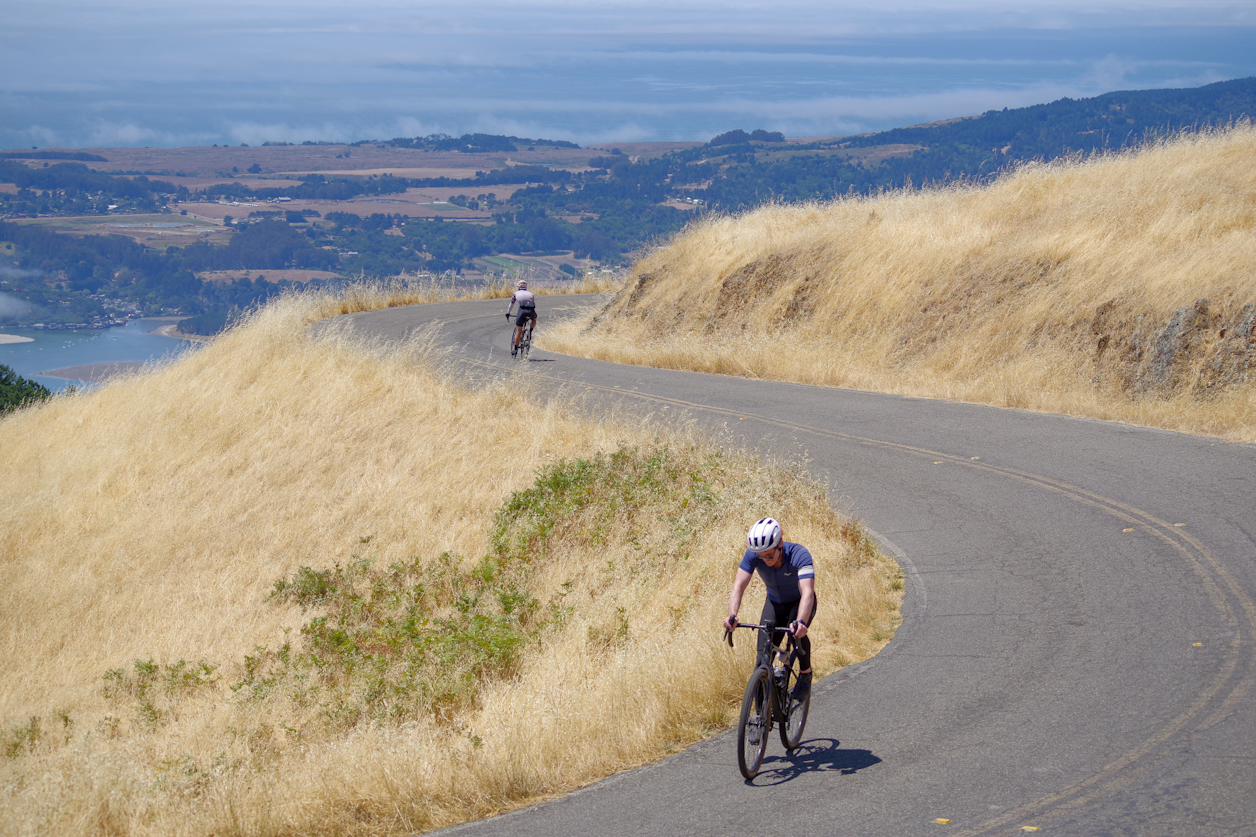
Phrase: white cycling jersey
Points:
(524, 298)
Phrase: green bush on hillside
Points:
(424, 637)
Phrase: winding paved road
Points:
(1077, 653)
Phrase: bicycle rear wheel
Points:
(755, 723)
(525, 343)
(795, 713)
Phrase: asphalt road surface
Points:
(1077, 650)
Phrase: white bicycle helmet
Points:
(764, 535)
(523, 285)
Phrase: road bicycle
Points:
(525, 341)
(767, 701)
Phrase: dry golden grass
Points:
(150, 520)
(1068, 287)
(408, 289)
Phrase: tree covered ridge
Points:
(80, 271)
(971, 149)
(475, 143)
(16, 391)
(1113, 120)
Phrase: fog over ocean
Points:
(90, 73)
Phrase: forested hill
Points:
(971, 148)
(1113, 120)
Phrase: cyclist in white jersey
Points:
(527, 311)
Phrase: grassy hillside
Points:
(1117, 287)
(295, 586)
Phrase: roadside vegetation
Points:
(1117, 286)
(299, 585)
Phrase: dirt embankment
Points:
(1118, 287)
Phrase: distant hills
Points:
(1113, 120)
(354, 209)
(969, 148)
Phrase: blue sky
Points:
(172, 72)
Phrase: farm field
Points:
(361, 160)
(156, 230)
(867, 156)
(284, 275)
(390, 171)
(413, 203)
(533, 267)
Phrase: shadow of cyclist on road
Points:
(814, 756)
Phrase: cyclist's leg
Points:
(520, 320)
(798, 703)
(803, 684)
(785, 613)
(771, 613)
(781, 613)
(804, 644)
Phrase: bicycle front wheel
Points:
(795, 717)
(755, 723)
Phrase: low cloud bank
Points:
(11, 306)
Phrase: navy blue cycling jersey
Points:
(782, 582)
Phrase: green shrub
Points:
(423, 638)
(156, 688)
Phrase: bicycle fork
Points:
(780, 685)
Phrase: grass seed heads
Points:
(304, 585)
(1116, 287)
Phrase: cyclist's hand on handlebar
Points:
(798, 629)
(730, 623)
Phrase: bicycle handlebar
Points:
(785, 629)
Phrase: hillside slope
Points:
(292, 585)
(1119, 286)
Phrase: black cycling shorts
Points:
(783, 613)
(525, 314)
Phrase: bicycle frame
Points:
(785, 658)
(767, 700)
(524, 346)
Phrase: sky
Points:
(105, 73)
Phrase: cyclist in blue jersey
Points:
(790, 576)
